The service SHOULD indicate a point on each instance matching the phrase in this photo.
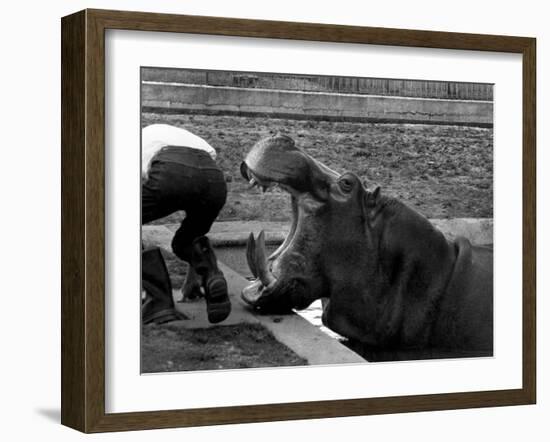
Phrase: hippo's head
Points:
(327, 233)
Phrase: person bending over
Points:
(179, 172)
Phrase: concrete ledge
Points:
(162, 109)
(235, 233)
(478, 230)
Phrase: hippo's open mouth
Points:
(283, 281)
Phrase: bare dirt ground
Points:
(441, 171)
(173, 348)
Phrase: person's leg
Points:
(201, 210)
(218, 305)
(158, 304)
(191, 245)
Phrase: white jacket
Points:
(157, 136)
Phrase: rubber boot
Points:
(203, 260)
(158, 306)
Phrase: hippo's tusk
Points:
(264, 274)
(251, 255)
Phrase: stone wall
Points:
(188, 98)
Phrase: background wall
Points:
(29, 182)
(296, 104)
(304, 97)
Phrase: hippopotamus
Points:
(390, 282)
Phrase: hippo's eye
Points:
(346, 184)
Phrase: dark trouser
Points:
(183, 179)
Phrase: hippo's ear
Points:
(372, 198)
(370, 202)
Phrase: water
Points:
(313, 315)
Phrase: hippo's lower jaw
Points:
(281, 298)
(266, 292)
(252, 292)
(281, 291)
(265, 300)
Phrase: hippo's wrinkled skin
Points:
(391, 282)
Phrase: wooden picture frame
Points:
(83, 220)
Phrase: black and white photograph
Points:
(275, 221)
(293, 220)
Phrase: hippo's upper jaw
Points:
(277, 161)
